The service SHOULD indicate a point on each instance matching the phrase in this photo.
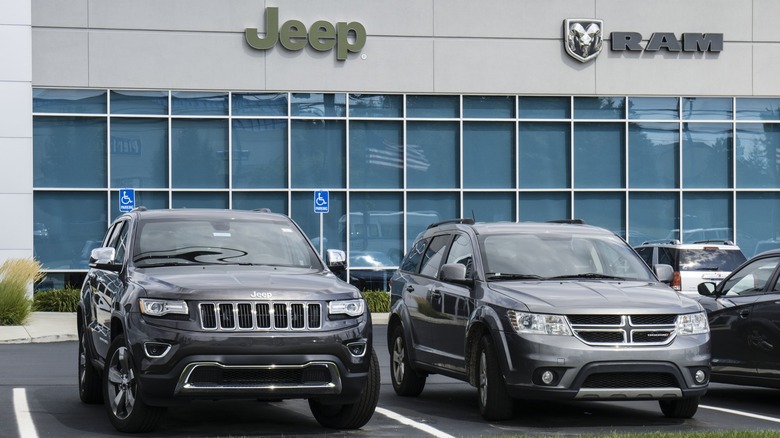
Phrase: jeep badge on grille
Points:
(261, 295)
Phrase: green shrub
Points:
(378, 300)
(56, 300)
(16, 276)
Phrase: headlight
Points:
(539, 324)
(347, 307)
(693, 324)
(162, 307)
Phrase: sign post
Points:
(126, 200)
(321, 206)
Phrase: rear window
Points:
(710, 259)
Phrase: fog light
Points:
(357, 349)
(700, 376)
(548, 377)
(156, 350)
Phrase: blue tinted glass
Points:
(262, 104)
(318, 154)
(707, 216)
(654, 108)
(544, 206)
(544, 158)
(74, 224)
(653, 216)
(544, 107)
(139, 102)
(489, 206)
(599, 155)
(707, 157)
(302, 212)
(706, 108)
(599, 108)
(758, 214)
(425, 208)
(606, 210)
(758, 109)
(150, 200)
(192, 103)
(199, 156)
(653, 155)
(432, 154)
(488, 155)
(318, 105)
(757, 155)
(259, 153)
(488, 107)
(139, 153)
(376, 154)
(432, 106)
(275, 201)
(57, 141)
(376, 226)
(69, 101)
(200, 200)
(376, 105)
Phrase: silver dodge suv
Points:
(544, 311)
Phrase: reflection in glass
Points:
(432, 106)
(606, 210)
(58, 140)
(654, 108)
(488, 107)
(653, 216)
(545, 155)
(706, 108)
(599, 108)
(69, 101)
(483, 143)
(489, 206)
(260, 104)
(375, 226)
(758, 109)
(425, 208)
(653, 155)
(376, 105)
(318, 104)
(707, 157)
(599, 155)
(139, 102)
(707, 216)
(758, 214)
(199, 153)
(275, 201)
(432, 154)
(302, 212)
(197, 103)
(259, 153)
(531, 107)
(376, 154)
(319, 148)
(758, 152)
(139, 152)
(199, 200)
(544, 206)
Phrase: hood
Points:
(596, 297)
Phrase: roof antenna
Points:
(473, 216)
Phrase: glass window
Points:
(318, 153)
(488, 107)
(139, 152)
(758, 222)
(432, 106)
(707, 157)
(599, 108)
(70, 152)
(706, 108)
(200, 200)
(150, 200)
(434, 255)
(544, 157)
(606, 210)
(199, 156)
(544, 107)
(260, 104)
(425, 208)
(462, 252)
(139, 102)
(69, 101)
(646, 254)
(653, 155)
(275, 201)
(489, 206)
(376, 105)
(488, 155)
(544, 206)
(71, 233)
(318, 104)
(412, 260)
(653, 216)
(706, 216)
(375, 225)
(376, 154)
(758, 155)
(654, 108)
(302, 212)
(432, 159)
(196, 103)
(259, 153)
(599, 155)
(751, 279)
(758, 109)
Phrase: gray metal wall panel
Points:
(60, 13)
(60, 57)
(18, 51)
(765, 20)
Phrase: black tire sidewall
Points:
(499, 405)
(411, 384)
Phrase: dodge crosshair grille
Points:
(251, 315)
(624, 329)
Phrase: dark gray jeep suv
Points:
(544, 311)
(182, 305)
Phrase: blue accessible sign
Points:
(321, 201)
(126, 200)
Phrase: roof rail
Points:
(139, 208)
(567, 221)
(662, 241)
(262, 210)
(465, 221)
(721, 241)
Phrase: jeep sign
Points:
(321, 36)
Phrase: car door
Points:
(105, 285)
(762, 333)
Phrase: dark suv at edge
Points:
(544, 311)
(193, 304)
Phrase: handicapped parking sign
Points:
(321, 202)
(126, 200)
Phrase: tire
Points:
(126, 411)
(90, 390)
(355, 415)
(406, 381)
(494, 401)
(680, 408)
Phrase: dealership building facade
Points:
(656, 120)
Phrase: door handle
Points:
(410, 288)
(744, 314)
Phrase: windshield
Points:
(228, 242)
(710, 259)
(551, 255)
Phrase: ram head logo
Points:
(583, 38)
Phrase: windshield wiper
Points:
(588, 275)
(494, 276)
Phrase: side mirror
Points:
(336, 260)
(454, 273)
(103, 258)
(707, 288)
(665, 273)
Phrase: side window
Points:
(434, 255)
(752, 278)
(120, 244)
(412, 259)
(111, 234)
(665, 257)
(646, 254)
(462, 252)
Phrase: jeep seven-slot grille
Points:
(251, 315)
(624, 329)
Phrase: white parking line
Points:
(744, 414)
(23, 418)
(409, 422)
